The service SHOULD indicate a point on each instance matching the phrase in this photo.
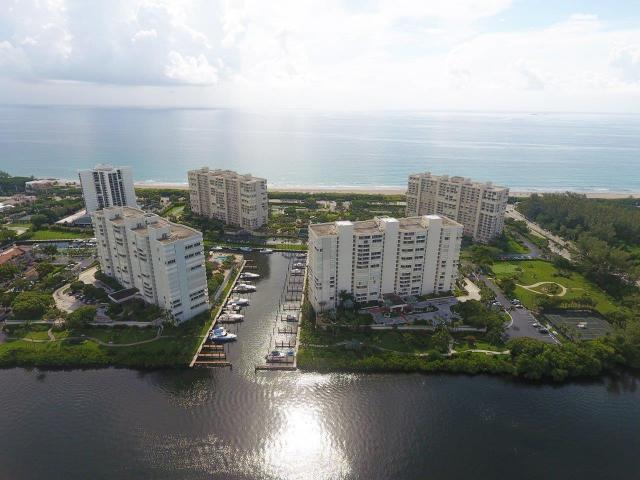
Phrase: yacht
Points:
(231, 317)
(265, 250)
(241, 302)
(249, 275)
(220, 335)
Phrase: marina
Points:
(284, 339)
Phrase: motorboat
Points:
(298, 265)
(276, 356)
(266, 250)
(246, 249)
(249, 275)
(220, 335)
(231, 317)
(241, 302)
(244, 288)
(296, 271)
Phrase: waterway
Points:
(239, 424)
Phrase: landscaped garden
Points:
(533, 280)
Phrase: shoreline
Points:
(385, 190)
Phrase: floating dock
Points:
(210, 354)
(286, 331)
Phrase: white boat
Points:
(217, 248)
(276, 356)
(244, 288)
(298, 265)
(296, 271)
(246, 249)
(231, 318)
(241, 302)
(265, 250)
(220, 335)
(249, 275)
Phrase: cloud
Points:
(627, 60)
(294, 53)
(190, 70)
(142, 42)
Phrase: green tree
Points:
(31, 305)
(441, 340)
(81, 317)
(38, 220)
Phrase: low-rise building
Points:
(479, 207)
(39, 185)
(15, 254)
(162, 259)
(368, 259)
(237, 200)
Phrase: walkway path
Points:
(473, 291)
(533, 286)
(52, 338)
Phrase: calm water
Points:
(117, 423)
(523, 151)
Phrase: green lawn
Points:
(533, 271)
(56, 235)
(117, 335)
(175, 211)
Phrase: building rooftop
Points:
(150, 221)
(374, 226)
(11, 254)
(229, 174)
(459, 180)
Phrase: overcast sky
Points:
(332, 54)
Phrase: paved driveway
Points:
(522, 319)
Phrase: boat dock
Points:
(210, 354)
(285, 334)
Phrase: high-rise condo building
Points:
(107, 186)
(479, 207)
(163, 260)
(406, 256)
(238, 200)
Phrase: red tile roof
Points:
(11, 254)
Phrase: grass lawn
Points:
(175, 211)
(513, 245)
(19, 228)
(55, 235)
(116, 335)
(533, 271)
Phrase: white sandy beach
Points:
(379, 191)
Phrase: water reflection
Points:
(303, 448)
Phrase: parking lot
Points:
(523, 323)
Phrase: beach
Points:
(379, 191)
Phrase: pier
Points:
(210, 354)
(285, 334)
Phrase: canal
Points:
(241, 424)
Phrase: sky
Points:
(471, 55)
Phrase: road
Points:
(521, 319)
(557, 245)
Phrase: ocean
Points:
(527, 152)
